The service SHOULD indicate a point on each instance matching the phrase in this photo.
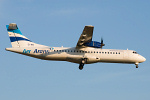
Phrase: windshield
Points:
(135, 52)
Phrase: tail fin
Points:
(17, 39)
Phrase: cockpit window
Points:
(134, 52)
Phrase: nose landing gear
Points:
(137, 66)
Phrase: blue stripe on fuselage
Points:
(13, 39)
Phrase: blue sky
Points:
(122, 23)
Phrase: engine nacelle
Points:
(94, 44)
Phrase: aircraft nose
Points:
(143, 59)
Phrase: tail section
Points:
(17, 39)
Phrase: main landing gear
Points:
(82, 63)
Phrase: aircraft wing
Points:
(86, 36)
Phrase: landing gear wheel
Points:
(137, 66)
(81, 66)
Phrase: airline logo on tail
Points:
(16, 37)
(15, 33)
(19, 40)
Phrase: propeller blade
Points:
(101, 40)
(102, 44)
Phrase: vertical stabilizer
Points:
(17, 39)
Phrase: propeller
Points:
(102, 44)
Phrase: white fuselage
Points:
(75, 55)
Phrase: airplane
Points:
(85, 52)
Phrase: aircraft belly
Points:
(117, 60)
(56, 57)
(74, 58)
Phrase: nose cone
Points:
(142, 59)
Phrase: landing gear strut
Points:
(137, 65)
(81, 66)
